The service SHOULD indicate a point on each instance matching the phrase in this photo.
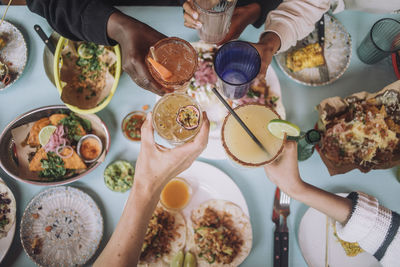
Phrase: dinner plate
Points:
(337, 54)
(67, 225)
(15, 52)
(5, 242)
(312, 241)
(208, 182)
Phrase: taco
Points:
(165, 236)
(219, 234)
(7, 209)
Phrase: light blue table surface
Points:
(34, 90)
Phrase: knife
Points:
(323, 70)
(276, 219)
(45, 39)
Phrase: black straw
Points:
(238, 119)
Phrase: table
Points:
(34, 90)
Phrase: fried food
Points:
(307, 57)
(55, 118)
(73, 162)
(33, 139)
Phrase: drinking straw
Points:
(239, 120)
(5, 12)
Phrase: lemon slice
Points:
(45, 133)
(84, 52)
(278, 128)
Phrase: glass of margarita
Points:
(177, 118)
(240, 147)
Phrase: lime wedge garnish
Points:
(84, 51)
(45, 134)
(278, 128)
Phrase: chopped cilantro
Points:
(53, 166)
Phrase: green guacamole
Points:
(118, 176)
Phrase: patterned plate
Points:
(337, 54)
(15, 52)
(61, 226)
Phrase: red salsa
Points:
(132, 126)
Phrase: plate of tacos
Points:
(8, 208)
(53, 145)
(214, 226)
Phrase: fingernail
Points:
(195, 15)
(199, 25)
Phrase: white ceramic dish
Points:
(5, 243)
(312, 240)
(76, 227)
(337, 54)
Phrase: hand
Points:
(268, 45)
(135, 39)
(191, 16)
(284, 171)
(156, 165)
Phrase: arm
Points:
(124, 247)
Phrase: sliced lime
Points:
(45, 134)
(278, 128)
(85, 52)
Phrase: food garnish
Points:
(309, 56)
(279, 128)
(216, 237)
(188, 117)
(161, 70)
(177, 260)
(132, 125)
(4, 210)
(53, 166)
(45, 134)
(118, 176)
(190, 260)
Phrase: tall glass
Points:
(169, 113)
(236, 63)
(216, 18)
(240, 147)
(382, 40)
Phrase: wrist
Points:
(270, 41)
(297, 189)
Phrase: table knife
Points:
(323, 69)
(45, 39)
(276, 219)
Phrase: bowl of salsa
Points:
(132, 124)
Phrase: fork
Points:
(284, 203)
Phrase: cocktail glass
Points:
(215, 16)
(239, 146)
(236, 63)
(179, 57)
(165, 121)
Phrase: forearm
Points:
(124, 247)
(334, 206)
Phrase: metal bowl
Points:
(78, 147)
(8, 157)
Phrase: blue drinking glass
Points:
(236, 63)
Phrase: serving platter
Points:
(312, 241)
(15, 52)
(9, 160)
(65, 224)
(337, 53)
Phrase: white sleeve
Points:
(293, 20)
(374, 227)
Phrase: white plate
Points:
(208, 182)
(6, 242)
(312, 238)
(15, 51)
(77, 227)
(337, 53)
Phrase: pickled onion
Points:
(58, 152)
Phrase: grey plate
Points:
(8, 159)
(337, 54)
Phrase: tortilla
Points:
(88, 93)
(74, 162)
(241, 223)
(176, 245)
(332, 107)
(12, 206)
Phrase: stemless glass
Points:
(382, 40)
(215, 17)
(237, 63)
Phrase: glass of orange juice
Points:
(176, 194)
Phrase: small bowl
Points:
(190, 192)
(118, 182)
(126, 119)
(78, 148)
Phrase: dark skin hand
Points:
(267, 46)
(242, 16)
(135, 39)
